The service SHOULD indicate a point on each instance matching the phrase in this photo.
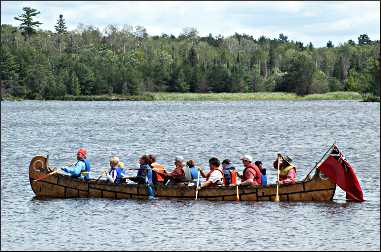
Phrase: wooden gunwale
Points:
(63, 186)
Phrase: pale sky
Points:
(315, 22)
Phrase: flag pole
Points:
(316, 165)
(277, 184)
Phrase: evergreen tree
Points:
(76, 89)
(28, 26)
(300, 74)
(128, 62)
(60, 27)
(364, 39)
(351, 42)
(283, 38)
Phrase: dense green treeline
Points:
(37, 64)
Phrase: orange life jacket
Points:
(161, 168)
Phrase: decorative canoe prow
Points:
(60, 185)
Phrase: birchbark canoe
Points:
(59, 185)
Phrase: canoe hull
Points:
(64, 186)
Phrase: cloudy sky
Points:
(315, 22)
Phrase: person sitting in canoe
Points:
(81, 169)
(287, 170)
(230, 173)
(193, 170)
(177, 175)
(116, 172)
(251, 174)
(263, 171)
(156, 167)
(215, 176)
(144, 175)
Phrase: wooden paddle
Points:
(237, 193)
(198, 179)
(47, 175)
(277, 184)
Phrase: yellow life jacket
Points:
(283, 172)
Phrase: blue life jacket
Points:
(194, 172)
(87, 169)
(119, 175)
(86, 175)
(120, 172)
(264, 180)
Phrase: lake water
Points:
(304, 130)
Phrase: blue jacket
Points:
(80, 166)
(145, 171)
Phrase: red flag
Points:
(341, 172)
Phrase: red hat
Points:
(82, 152)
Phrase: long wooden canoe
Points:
(58, 185)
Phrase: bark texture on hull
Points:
(64, 186)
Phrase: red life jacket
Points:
(258, 174)
(233, 175)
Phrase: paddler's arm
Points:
(75, 170)
(248, 182)
(205, 184)
(202, 173)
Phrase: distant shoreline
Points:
(167, 96)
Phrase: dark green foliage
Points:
(300, 72)
(351, 42)
(128, 61)
(364, 39)
(28, 26)
(60, 27)
(283, 38)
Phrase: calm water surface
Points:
(302, 129)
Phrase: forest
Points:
(44, 64)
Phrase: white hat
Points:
(179, 158)
(246, 157)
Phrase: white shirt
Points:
(216, 176)
(111, 177)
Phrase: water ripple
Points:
(197, 130)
